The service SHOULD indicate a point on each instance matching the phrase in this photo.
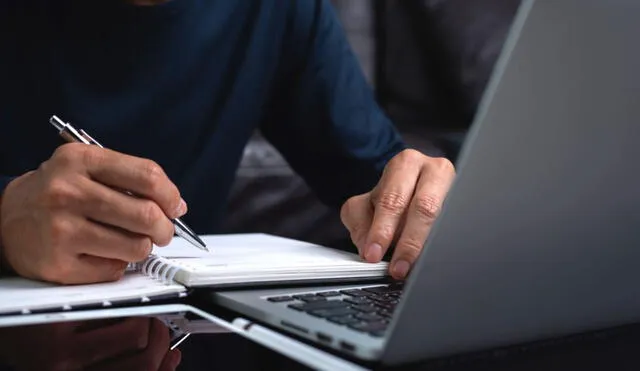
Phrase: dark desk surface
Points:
(142, 343)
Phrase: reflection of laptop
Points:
(539, 236)
(114, 339)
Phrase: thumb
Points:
(356, 215)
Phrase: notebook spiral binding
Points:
(160, 269)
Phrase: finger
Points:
(171, 360)
(141, 176)
(148, 359)
(425, 207)
(111, 341)
(390, 199)
(356, 215)
(72, 270)
(105, 205)
(106, 242)
(65, 259)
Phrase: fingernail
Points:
(373, 253)
(401, 269)
(182, 208)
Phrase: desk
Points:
(142, 342)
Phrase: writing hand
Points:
(401, 208)
(65, 222)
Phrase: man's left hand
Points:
(401, 209)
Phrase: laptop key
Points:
(387, 306)
(312, 299)
(302, 296)
(324, 304)
(382, 289)
(280, 299)
(369, 317)
(344, 320)
(356, 293)
(328, 294)
(358, 300)
(335, 312)
(369, 326)
(365, 308)
(383, 298)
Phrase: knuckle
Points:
(114, 270)
(345, 211)
(410, 248)
(141, 248)
(165, 234)
(427, 207)
(443, 165)
(59, 193)
(152, 175)
(59, 232)
(92, 156)
(408, 156)
(149, 215)
(392, 202)
(383, 233)
(69, 153)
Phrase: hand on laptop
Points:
(66, 223)
(400, 209)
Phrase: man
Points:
(175, 88)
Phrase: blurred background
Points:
(428, 62)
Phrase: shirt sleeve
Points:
(323, 117)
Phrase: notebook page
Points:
(257, 249)
(228, 244)
(240, 258)
(19, 293)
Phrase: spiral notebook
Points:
(235, 260)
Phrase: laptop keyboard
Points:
(367, 310)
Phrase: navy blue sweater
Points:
(185, 84)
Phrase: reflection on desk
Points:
(131, 343)
(138, 343)
(144, 343)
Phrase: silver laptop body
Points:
(540, 234)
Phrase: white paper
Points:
(17, 294)
(259, 257)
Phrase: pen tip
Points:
(202, 244)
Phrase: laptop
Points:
(540, 234)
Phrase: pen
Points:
(71, 134)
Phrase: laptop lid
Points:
(539, 235)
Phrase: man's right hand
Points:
(66, 223)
